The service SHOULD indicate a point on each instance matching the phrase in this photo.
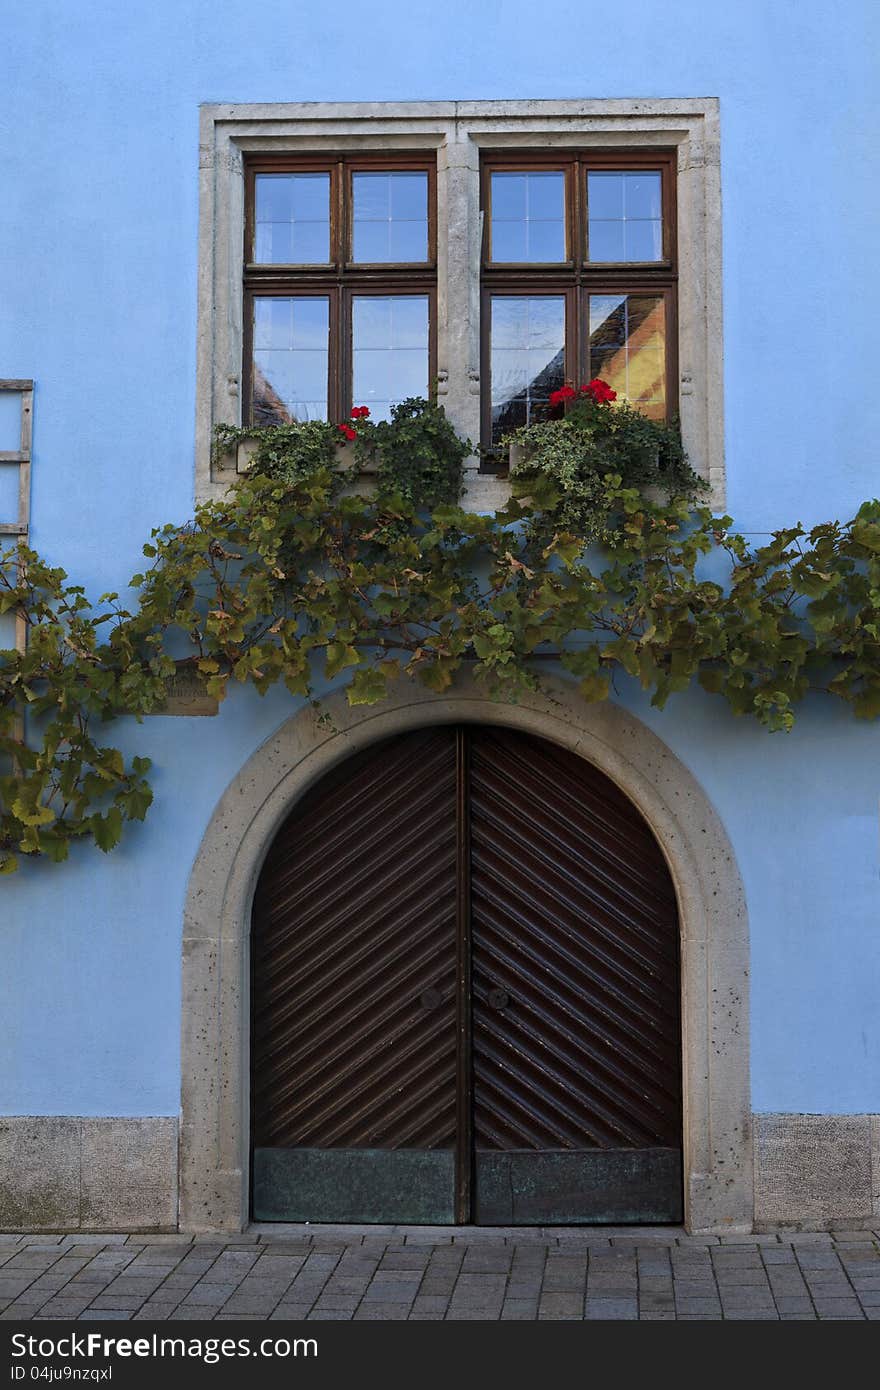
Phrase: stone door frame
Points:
(215, 1070)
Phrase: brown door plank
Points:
(577, 1073)
(355, 1003)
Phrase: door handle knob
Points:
(498, 998)
(430, 998)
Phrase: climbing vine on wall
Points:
(284, 581)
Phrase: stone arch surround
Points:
(214, 1130)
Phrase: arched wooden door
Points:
(465, 994)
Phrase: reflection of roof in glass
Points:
(513, 412)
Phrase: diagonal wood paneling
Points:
(571, 1089)
(574, 917)
(353, 920)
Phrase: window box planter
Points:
(240, 459)
(346, 462)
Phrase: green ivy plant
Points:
(63, 783)
(586, 437)
(283, 581)
(288, 452)
(416, 454)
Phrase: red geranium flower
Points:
(349, 433)
(360, 412)
(599, 390)
(565, 393)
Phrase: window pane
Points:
(510, 241)
(642, 241)
(628, 348)
(291, 359)
(527, 359)
(390, 217)
(292, 219)
(625, 216)
(606, 241)
(528, 217)
(389, 350)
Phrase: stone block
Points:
(812, 1170)
(129, 1174)
(875, 1165)
(39, 1172)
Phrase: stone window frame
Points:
(459, 132)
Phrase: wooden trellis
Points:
(21, 457)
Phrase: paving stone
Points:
(117, 1300)
(525, 1288)
(519, 1309)
(749, 1240)
(173, 1239)
(291, 1312)
(741, 1278)
(404, 1259)
(751, 1315)
(242, 1317)
(63, 1309)
(107, 1315)
(600, 1309)
(565, 1304)
(787, 1304)
(696, 1302)
(837, 1307)
(259, 1307)
(809, 1258)
(127, 1283)
(438, 1287)
(338, 1300)
(390, 1293)
(159, 1312)
(344, 1287)
(430, 1303)
(12, 1287)
(469, 1313)
(382, 1312)
(37, 1260)
(241, 1259)
(781, 1255)
(210, 1294)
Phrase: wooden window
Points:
(579, 278)
(340, 285)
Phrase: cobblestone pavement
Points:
(332, 1272)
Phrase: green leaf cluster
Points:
(285, 580)
(564, 465)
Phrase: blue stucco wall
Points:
(98, 221)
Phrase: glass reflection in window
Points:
(389, 350)
(291, 359)
(527, 357)
(628, 348)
